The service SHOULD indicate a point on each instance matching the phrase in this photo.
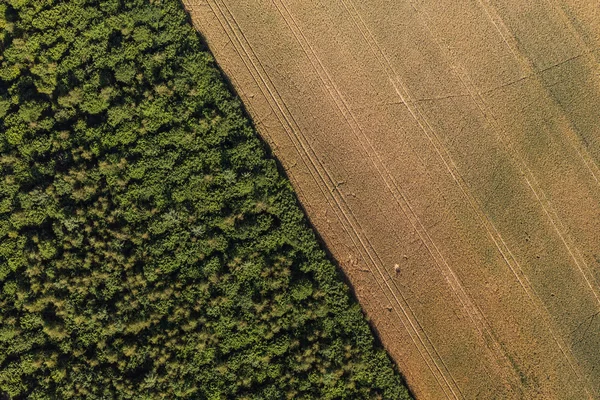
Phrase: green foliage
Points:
(149, 248)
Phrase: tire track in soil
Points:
(355, 232)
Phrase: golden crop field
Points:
(448, 153)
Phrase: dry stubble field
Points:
(458, 140)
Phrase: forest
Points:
(150, 247)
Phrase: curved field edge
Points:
(149, 246)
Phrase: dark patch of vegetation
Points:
(149, 247)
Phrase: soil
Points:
(448, 153)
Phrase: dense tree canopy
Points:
(149, 247)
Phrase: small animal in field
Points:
(396, 268)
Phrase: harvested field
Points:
(448, 153)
